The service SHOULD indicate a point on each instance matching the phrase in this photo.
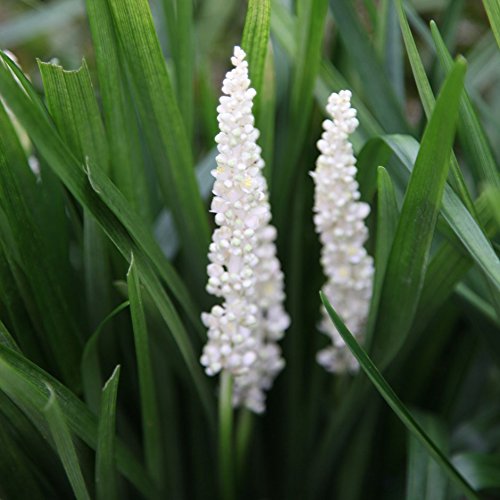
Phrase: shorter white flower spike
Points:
(339, 220)
(244, 269)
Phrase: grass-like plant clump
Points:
(283, 283)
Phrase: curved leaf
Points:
(105, 475)
(407, 262)
(396, 404)
(480, 469)
(64, 445)
(26, 384)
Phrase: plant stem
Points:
(243, 434)
(226, 470)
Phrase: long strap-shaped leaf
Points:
(113, 214)
(127, 165)
(147, 388)
(255, 40)
(387, 220)
(164, 128)
(75, 111)
(428, 100)
(180, 28)
(493, 10)
(22, 476)
(105, 475)
(380, 93)
(309, 34)
(64, 446)
(470, 131)
(451, 261)
(466, 229)
(396, 404)
(410, 251)
(424, 477)
(61, 340)
(118, 216)
(329, 78)
(26, 384)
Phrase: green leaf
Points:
(493, 10)
(127, 164)
(470, 131)
(64, 445)
(266, 119)
(410, 251)
(309, 34)
(479, 304)
(424, 478)
(26, 384)
(164, 129)
(447, 267)
(72, 104)
(164, 228)
(73, 107)
(329, 78)
(178, 331)
(428, 100)
(142, 237)
(105, 474)
(493, 199)
(90, 366)
(255, 41)
(480, 469)
(421, 80)
(21, 79)
(121, 225)
(21, 478)
(378, 91)
(396, 404)
(19, 309)
(387, 220)
(389, 47)
(149, 404)
(179, 20)
(6, 338)
(470, 234)
(59, 325)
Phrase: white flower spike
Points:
(339, 220)
(244, 269)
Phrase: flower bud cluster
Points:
(339, 220)
(244, 270)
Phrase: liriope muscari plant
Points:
(244, 270)
(339, 221)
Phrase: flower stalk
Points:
(226, 454)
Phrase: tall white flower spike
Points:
(244, 270)
(339, 220)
